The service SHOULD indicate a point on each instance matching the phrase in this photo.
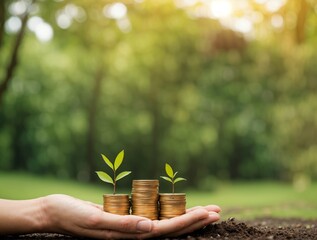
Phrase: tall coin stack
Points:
(116, 204)
(145, 198)
(172, 205)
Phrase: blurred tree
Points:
(301, 21)
(165, 82)
(2, 20)
(13, 58)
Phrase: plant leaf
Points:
(104, 177)
(167, 179)
(179, 179)
(169, 170)
(122, 175)
(107, 161)
(118, 160)
(175, 174)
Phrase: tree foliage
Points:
(162, 83)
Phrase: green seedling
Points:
(114, 166)
(171, 176)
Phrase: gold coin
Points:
(144, 198)
(116, 204)
(171, 205)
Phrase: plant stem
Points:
(114, 182)
(173, 187)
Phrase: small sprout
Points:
(114, 166)
(171, 176)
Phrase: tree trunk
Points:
(301, 22)
(92, 113)
(14, 58)
(2, 20)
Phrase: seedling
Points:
(171, 176)
(114, 166)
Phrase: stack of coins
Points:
(145, 198)
(172, 205)
(116, 204)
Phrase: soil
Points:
(258, 229)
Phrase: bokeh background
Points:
(223, 90)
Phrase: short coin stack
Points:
(145, 198)
(172, 205)
(116, 204)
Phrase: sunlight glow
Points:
(18, 7)
(238, 15)
(13, 24)
(260, 1)
(63, 20)
(224, 11)
(277, 21)
(256, 17)
(185, 3)
(115, 10)
(64, 17)
(274, 5)
(243, 25)
(124, 24)
(75, 12)
(42, 30)
(33, 22)
(221, 8)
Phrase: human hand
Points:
(67, 215)
(194, 219)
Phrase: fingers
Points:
(123, 224)
(177, 224)
(209, 208)
(107, 225)
(213, 217)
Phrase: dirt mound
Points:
(264, 228)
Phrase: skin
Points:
(67, 215)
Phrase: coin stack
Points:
(145, 198)
(172, 205)
(116, 204)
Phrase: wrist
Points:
(44, 220)
(22, 216)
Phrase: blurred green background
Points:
(223, 90)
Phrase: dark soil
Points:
(264, 228)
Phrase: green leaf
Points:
(104, 177)
(179, 179)
(107, 161)
(118, 160)
(169, 170)
(175, 174)
(167, 179)
(122, 175)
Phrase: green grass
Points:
(240, 200)
(23, 186)
(258, 199)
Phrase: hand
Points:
(67, 215)
(194, 219)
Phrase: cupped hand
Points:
(68, 215)
(194, 219)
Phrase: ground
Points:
(258, 229)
